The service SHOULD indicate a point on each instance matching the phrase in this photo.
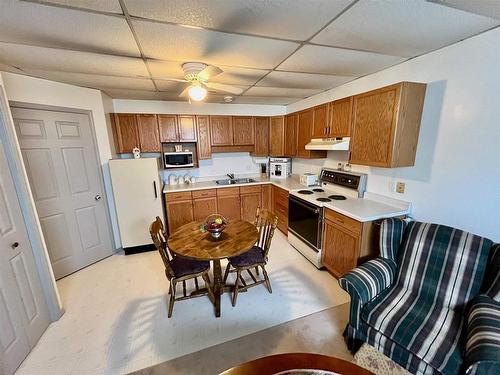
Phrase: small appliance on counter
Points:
(309, 179)
(182, 159)
(280, 167)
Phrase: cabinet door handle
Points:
(154, 188)
(14, 245)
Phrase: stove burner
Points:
(307, 192)
(318, 190)
(337, 197)
(323, 200)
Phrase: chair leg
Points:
(236, 287)
(226, 273)
(206, 279)
(257, 271)
(266, 277)
(172, 297)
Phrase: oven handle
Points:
(313, 209)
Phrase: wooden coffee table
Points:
(190, 242)
(290, 361)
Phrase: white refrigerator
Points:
(138, 199)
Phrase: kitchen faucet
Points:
(230, 175)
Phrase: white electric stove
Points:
(305, 209)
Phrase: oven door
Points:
(304, 220)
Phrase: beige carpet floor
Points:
(320, 332)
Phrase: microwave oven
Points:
(183, 159)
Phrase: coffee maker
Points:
(280, 167)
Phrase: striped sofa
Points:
(430, 302)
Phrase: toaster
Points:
(308, 179)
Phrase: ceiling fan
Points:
(198, 76)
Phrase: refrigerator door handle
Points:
(154, 187)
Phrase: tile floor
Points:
(116, 314)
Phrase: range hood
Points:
(329, 144)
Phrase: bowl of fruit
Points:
(215, 224)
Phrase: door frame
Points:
(100, 167)
(20, 178)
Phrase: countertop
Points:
(369, 208)
(288, 184)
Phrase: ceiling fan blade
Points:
(226, 88)
(209, 72)
(172, 79)
(184, 93)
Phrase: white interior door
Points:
(23, 312)
(60, 158)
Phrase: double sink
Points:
(234, 181)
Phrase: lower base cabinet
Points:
(251, 199)
(179, 213)
(204, 207)
(267, 197)
(228, 203)
(280, 207)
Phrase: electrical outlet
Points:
(400, 187)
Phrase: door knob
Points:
(97, 197)
(14, 245)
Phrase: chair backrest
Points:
(442, 263)
(159, 237)
(266, 223)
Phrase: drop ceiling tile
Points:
(264, 100)
(110, 6)
(270, 18)
(169, 42)
(337, 61)
(489, 8)
(139, 94)
(170, 86)
(95, 81)
(35, 24)
(401, 28)
(61, 60)
(302, 80)
(281, 92)
(10, 69)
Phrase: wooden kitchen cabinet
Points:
(261, 136)
(179, 212)
(386, 125)
(203, 136)
(340, 249)
(320, 127)
(228, 203)
(250, 200)
(290, 135)
(267, 197)
(280, 207)
(203, 207)
(340, 118)
(277, 136)
(221, 130)
(125, 132)
(305, 129)
(243, 131)
(177, 128)
(148, 133)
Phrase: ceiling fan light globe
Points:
(197, 93)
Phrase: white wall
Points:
(31, 90)
(456, 178)
(158, 106)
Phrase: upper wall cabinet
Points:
(177, 128)
(277, 136)
(261, 136)
(232, 133)
(320, 123)
(386, 124)
(291, 122)
(203, 133)
(221, 130)
(304, 135)
(131, 130)
(340, 118)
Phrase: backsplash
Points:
(236, 162)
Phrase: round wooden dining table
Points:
(192, 241)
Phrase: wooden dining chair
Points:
(179, 269)
(256, 257)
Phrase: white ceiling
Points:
(277, 51)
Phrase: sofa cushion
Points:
(428, 330)
(441, 263)
(491, 283)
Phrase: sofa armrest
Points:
(365, 283)
(482, 351)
